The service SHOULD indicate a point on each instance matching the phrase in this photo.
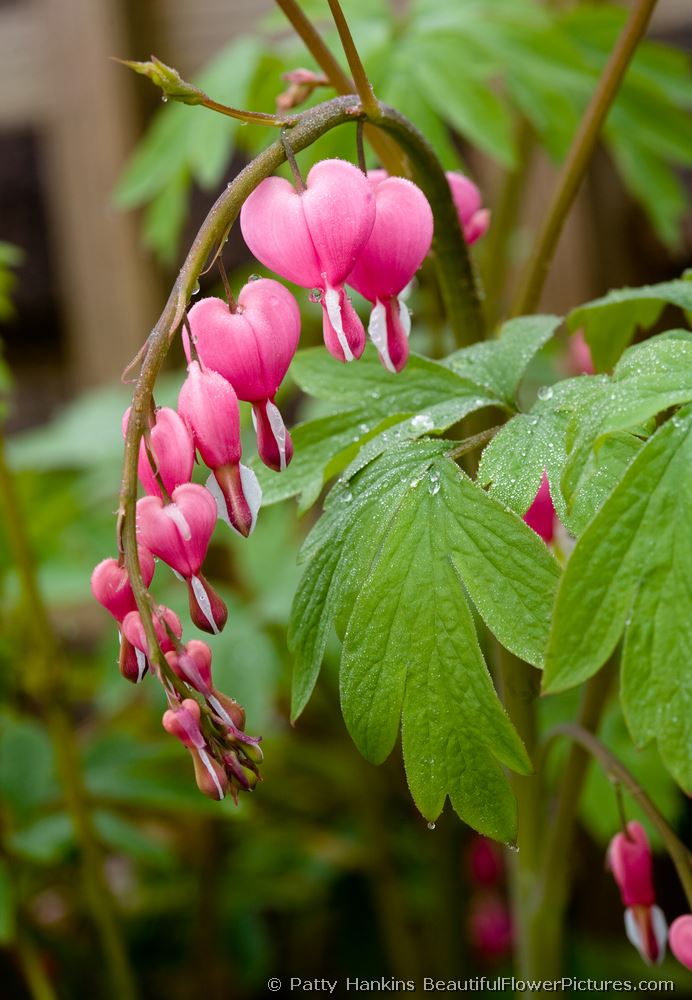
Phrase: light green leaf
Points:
(499, 365)
(630, 571)
(424, 398)
(610, 323)
(411, 653)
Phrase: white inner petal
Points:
(207, 763)
(278, 429)
(220, 710)
(377, 329)
(141, 664)
(179, 520)
(251, 485)
(331, 301)
(404, 317)
(204, 602)
(221, 508)
(660, 929)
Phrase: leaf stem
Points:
(580, 153)
(249, 117)
(360, 77)
(590, 744)
(38, 983)
(45, 685)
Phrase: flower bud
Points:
(171, 447)
(207, 610)
(541, 514)
(210, 776)
(473, 219)
(110, 584)
(183, 722)
(485, 861)
(629, 859)
(491, 926)
(132, 662)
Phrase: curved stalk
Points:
(454, 271)
(679, 854)
(579, 156)
(360, 77)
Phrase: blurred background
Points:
(327, 870)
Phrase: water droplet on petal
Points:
(315, 295)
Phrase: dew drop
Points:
(255, 277)
(422, 422)
(545, 392)
(315, 295)
(195, 289)
(513, 848)
(164, 99)
(346, 497)
(431, 826)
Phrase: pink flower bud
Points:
(314, 238)
(178, 532)
(647, 930)
(541, 514)
(252, 347)
(397, 246)
(172, 449)
(209, 406)
(484, 861)
(629, 859)
(134, 647)
(183, 723)
(680, 938)
(490, 926)
(193, 665)
(133, 629)
(473, 219)
(110, 584)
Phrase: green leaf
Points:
(411, 652)
(424, 398)
(46, 841)
(530, 443)
(630, 571)
(499, 365)
(610, 323)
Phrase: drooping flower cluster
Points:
(342, 227)
(371, 233)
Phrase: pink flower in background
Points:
(541, 514)
(398, 244)
(209, 406)
(485, 861)
(179, 533)
(252, 348)
(473, 218)
(579, 355)
(680, 938)
(490, 926)
(314, 238)
(629, 859)
(111, 587)
(172, 449)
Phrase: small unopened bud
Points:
(210, 776)
(132, 662)
(193, 665)
(184, 724)
(232, 709)
(168, 79)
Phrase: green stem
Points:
(360, 77)
(248, 117)
(38, 983)
(580, 153)
(679, 854)
(545, 907)
(386, 151)
(45, 684)
(453, 265)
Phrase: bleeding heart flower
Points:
(135, 655)
(110, 584)
(252, 348)
(473, 219)
(179, 533)
(171, 448)
(209, 406)
(680, 938)
(629, 858)
(398, 244)
(314, 238)
(541, 514)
